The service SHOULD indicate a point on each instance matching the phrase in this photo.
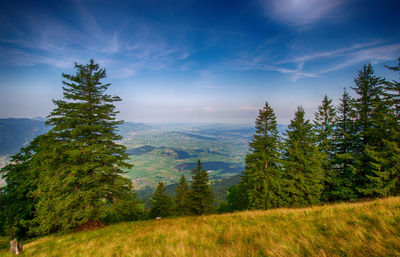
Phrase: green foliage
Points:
(80, 170)
(372, 124)
(162, 203)
(342, 177)
(392, 93)
(17, 198)
(182, 206)
(200, 194)
(237, 196)
(263, 174)
(124, 208)
(302, 163)
(324, 125)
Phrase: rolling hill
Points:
(348, 229)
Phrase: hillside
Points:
(16, 133)
(359, 229)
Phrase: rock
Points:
(158, 218)
(15, 248)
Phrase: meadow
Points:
(369, 228)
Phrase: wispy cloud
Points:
(328, 54)
(302, 12)
(248, 108)
(316, 64)
(374, 55)
(208, 108)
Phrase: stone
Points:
(15, 248)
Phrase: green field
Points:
(221, 151)
(356, 229)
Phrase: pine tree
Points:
(263, 174)
(302, 163)
(383, 178)
(200, 194)
(162, 203)
(324, 125)
(392, 143)
(368, 108)
(343, 187)
(18, 199)
(81, 171)
(182, 206)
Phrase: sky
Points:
(195, 61)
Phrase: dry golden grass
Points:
(360, 229)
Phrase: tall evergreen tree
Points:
(302, 163)
(182, 206)
(324, 125)
(343, 179)
(201, 195)
(383, 154)
(81, 171)
(368, 137)
(392, 144)
(162, 203)
(263, 167)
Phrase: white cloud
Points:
(248, 108)
(302, 12)
(208, 108)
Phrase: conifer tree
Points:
(182, 206)
(237, 195)
(302, 163)
(368, 107)
(18, 199)
(343, 187)
(81, 171)
(162, 203)
(201, 195)
(392, 143)
(392, 92)
(263, 174)
(324, 125)
(383, 177)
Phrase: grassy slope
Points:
(360, 229)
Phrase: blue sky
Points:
(195, 61)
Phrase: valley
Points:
(159, 152)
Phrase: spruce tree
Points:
(368, 107)
(324, 125)
(182, 206)
(392, 143)
(302, 163)
(162, 203)
(81, 172)
(263, 174)
(200, 194)
(343, 187)
(383, 155)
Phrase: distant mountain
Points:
(17, 133)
